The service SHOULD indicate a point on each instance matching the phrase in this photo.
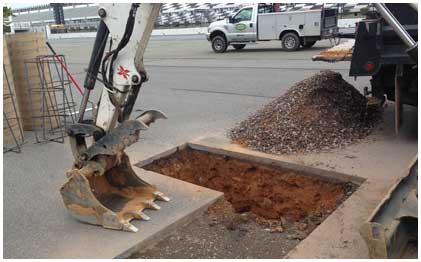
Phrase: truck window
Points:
(264, 9)
(244, 15)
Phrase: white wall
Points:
(156, 32)
(342, 23)
(181, 31)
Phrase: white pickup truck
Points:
(262, 22)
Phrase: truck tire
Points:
(239, 46)
(308, 44)
(290, 42)
(219, 44)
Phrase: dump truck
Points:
(262, 22)
(386, 50)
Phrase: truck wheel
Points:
(290, 42)
(309, 44)
(239, 46)
(219, 44)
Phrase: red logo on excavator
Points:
(123, 72)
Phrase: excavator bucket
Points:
(112, 199)
(103, 189)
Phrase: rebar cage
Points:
(51, 101)
(13, 136)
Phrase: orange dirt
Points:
(121, 199)
(267, 192)
(341, 53)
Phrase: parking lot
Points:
(202, 93)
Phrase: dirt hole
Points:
(268, 192)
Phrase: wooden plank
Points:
(10, 110)
(24, 46)
(14, 126)
(25, 37)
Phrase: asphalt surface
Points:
(195, 86)
(202, 93)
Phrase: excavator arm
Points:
(102, 188)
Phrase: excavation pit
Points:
(269, 205)
(265, 188)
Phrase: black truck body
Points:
(380, 53)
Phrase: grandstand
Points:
(83, 17)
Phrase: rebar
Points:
(18, 139)
(56, 108)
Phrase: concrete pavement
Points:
(379, 160)
(202, 93)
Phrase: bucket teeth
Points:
(143, 216)
(138, 215)
(161, 196)
(150, 204)
(129, 227)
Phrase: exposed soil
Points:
(267, 192)
(266, 212)
(222, 233)
(317, 114)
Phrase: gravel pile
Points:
(317, 114)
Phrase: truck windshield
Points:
(244, 15)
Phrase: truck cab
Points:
(264, 22)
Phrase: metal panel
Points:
(394, 222)
(267, 27)
(291, 21)
(312, 24)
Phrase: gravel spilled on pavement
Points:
(317, 114)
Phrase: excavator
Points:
(102, 188)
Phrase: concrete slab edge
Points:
(222, 147)
(272, 161)
(168, 230)
(163, 154)
(296, 252)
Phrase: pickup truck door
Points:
(243, 27)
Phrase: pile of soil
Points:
(265, 191)
(317, 114)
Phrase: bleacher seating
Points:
(171, 14)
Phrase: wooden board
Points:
(342, 52)
(10, 107)
(23, 47)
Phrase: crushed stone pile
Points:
(317, 114)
